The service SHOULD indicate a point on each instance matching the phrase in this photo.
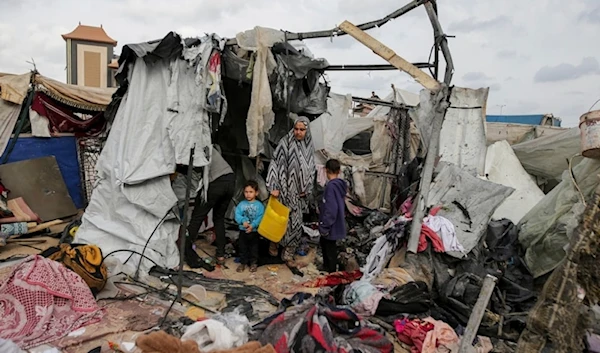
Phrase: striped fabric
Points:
(292, 172)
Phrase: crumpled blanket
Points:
(42, 301)
(315, 326)
(441, 335)
(413, 333)
(334, 279)
(363, 297)
(428, 234)
(445, 229)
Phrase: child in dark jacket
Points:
(248, 215)
(332, 215)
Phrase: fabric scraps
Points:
(413, 332)
(428, 233)
(8, 229)
(162, 342)
(391, 278)
(445, 229)
(85, 260)
(42, 301)
(7, 346)
(441, 335)
(413, 298)
(63, 119)
(21, 212)
(314, 326)
(210, 335)
(334, 279)
(363, 297)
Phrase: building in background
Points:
(90, 57)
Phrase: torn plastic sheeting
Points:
(333, 128)
(547, 228)
(9, 114)
(462, 140)
(400, 96)
(518, 133)
(468, 202)
(503, 167)
(548, 156)
(134, 191)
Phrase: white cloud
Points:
(492, 38)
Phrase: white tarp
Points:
(548, 156)
(503, 167)
(401, 96)
(462, 140)
(330, 130)
(9, 113)
(159, 119)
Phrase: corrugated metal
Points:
(463, 138)
(532, 119)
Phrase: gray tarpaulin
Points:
(454, 189)
(548, 156)
(547, 228)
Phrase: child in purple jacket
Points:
(332, 215)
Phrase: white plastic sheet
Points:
(158, 121)
(9, 113)
(503, 167)
(548, 156)
(462, 140)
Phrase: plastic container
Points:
(589, 129)
(274, 223)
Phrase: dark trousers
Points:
(220, 193)
(330, 254)
(248, 247)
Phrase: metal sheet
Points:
(40, 183)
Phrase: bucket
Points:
(274, 223)
(589, 129)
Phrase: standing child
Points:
(332, 215)
(248, 215)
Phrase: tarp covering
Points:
(64, 148)
(159, 119)
(9, 114)
(503, 167)
(533, 119)
(13, 88)
(518, 133)
(548, 156)
(468, 202)
(547, 228)
(86, 98)
(462, 140)
(398, 96)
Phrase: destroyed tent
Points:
(131, 206)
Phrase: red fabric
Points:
(42, 301)
(413, 332)
(62, 119)
(435, 210)
(428, 233)
(334, 279)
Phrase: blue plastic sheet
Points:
(64, 149)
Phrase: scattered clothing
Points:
(391, 278)
(334, 279)
(85, 260)
(362, 297)
(413, 332)
(21, 212)
(209, 335)
(42, 301)
(10, 229)
(332, 210)
(162, 342)
(445, 229)
(441, 335)
(314, 326)
(411, 298)
(428, 234)
(292, 172)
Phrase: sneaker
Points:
(253, 268)
(242, 268)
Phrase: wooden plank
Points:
(390, 56)
(487, 289)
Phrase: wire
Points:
(137, 271)
(575, 181)
(593, 105)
